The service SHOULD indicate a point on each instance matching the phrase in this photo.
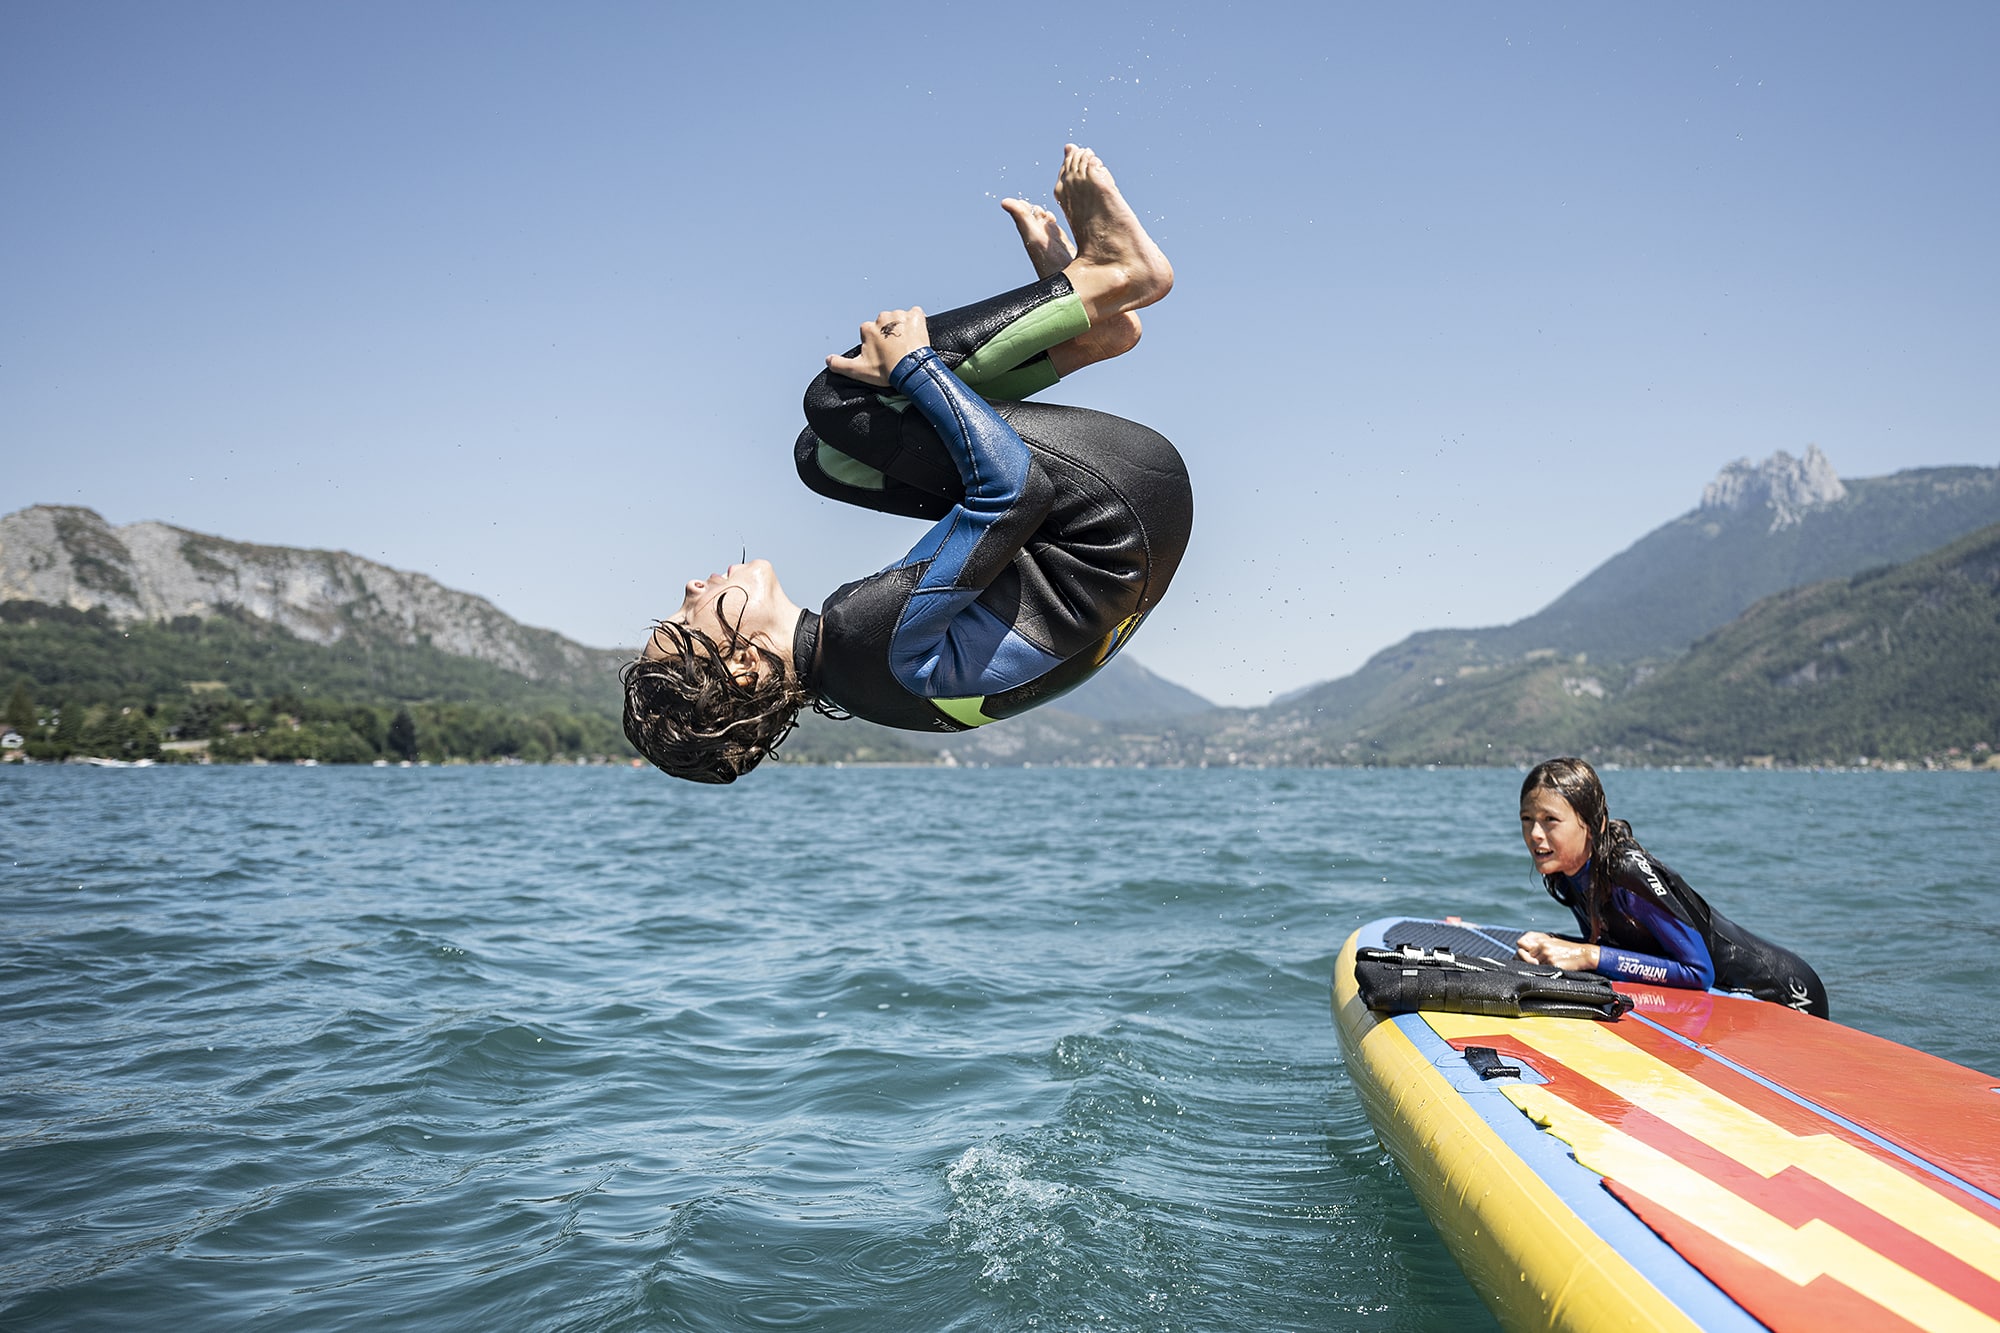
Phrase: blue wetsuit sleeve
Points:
(1686, 962)
(944, 644)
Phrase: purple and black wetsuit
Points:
(1659, 931)
(1674, 953)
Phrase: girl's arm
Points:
(1684, 960)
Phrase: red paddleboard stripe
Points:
(1772, 1298)
(1938, 1111)
(1783, 1111)
(1792, 1196)
(1766, 1102)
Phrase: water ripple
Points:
(563, 1049)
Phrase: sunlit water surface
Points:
(875, 1050)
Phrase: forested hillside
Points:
(1900, 661)
(76, 682)
(117, 641)
(1895, 663)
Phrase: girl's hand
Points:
(1548, 951)
(885, 340)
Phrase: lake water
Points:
(833, 1049)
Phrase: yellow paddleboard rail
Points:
(1535, 1263)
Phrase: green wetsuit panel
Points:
(1007, 368)
(1046, 326)
(965, 712)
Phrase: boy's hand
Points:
(885, 340)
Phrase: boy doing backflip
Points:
(1055, 529)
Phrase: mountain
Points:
(123, 640)
(1760, 529)
(69, 556)
(1124, 691)
(1098, 722)
(1899, 662)
(142, 614)
(1655, 656)
(1875, 635)
(1903, 660)
(1630, 663)
(1105, 720)
(1757, 531)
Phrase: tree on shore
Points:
(402, 739)
(20, 709)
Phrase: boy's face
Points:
(746, 601)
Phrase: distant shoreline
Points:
(1899, 767)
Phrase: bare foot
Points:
(1117, 266)
(1112, 335)
(1050, 251)
(1042, 236)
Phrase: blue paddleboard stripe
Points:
(1581, 1189)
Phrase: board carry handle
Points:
(1406, 980)
(1486, 1063)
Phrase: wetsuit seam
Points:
(1124, 502)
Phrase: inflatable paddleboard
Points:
(1705, 1161)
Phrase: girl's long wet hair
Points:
(1576, 782)
(687, 713)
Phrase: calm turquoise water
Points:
(889, 1049)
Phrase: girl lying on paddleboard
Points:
(1055, 529)
(1640, 921)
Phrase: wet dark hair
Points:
(692, 718)
(1576, 782)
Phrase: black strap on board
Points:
(1402, 981)
(1486, 1063)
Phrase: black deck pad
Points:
(1465, 941)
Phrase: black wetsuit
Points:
(1740, 959)
(1056, 529)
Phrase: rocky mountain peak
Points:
(1787, 486)
(67, 555)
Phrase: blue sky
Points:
(524, 296)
